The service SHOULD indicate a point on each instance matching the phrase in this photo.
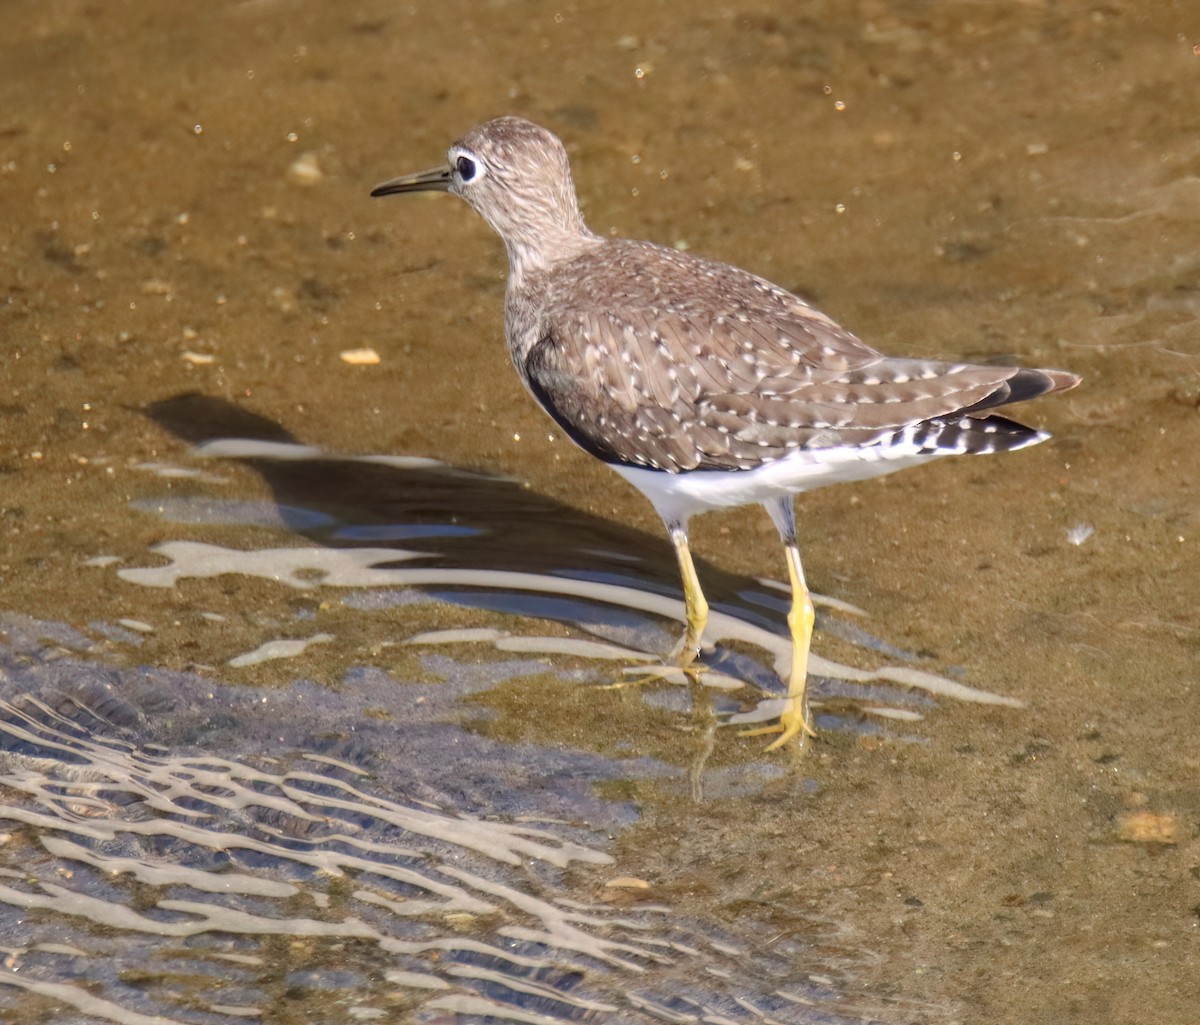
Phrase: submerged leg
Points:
(694, 600)
(793, 721)
(683, 656)
(794, 718)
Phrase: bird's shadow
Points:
(460, 519)
(503, 525)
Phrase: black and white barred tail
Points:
(963, 435)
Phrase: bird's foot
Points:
(793, 723)
(661, 673)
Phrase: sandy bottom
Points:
(184, 211)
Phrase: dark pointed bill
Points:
(435, 180)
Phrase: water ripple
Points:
(173, 881)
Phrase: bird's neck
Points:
(530, 255)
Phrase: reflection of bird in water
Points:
(704, 386)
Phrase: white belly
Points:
(677, 496)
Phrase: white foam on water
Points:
(83, 1001)
(302, 568)
(306, 567)
(281, 648)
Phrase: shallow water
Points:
(318, 867)
(187, 247)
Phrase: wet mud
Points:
(202, 495)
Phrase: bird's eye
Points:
(465, 167)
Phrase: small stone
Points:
(283, 299)
(1146, 827)
(628, 883)
(305, 170)
(359, 357)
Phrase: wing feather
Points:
(697, 365)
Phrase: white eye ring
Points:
(467, 166)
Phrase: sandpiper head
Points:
(517, 176)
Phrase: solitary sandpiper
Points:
(703, 385)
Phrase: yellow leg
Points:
(695, 602)
(683, 656)
(794, 718)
